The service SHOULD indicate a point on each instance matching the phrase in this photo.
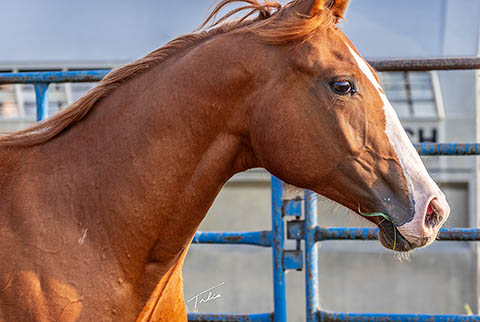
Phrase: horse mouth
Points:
(391, 238)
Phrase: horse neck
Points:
(147, 162)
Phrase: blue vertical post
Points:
(311, 256)
(278, 243)
(41, 93)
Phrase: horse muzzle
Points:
(422, 230)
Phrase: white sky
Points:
(93, 30)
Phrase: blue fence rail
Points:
(298, 229)
(96, 75)
(256, 238)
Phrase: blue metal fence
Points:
(287, 221)
(312, 233)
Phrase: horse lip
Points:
(387, 237)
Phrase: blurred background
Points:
(354, 276)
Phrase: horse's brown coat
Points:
(99, 204)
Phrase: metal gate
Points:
(288, 219)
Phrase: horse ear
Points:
(337, 7)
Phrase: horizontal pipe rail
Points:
(448, 148)
(404, 65)
(446, 234)
(200, 317)
(53, 77)
(256, 238)
(387, 65)
(322, 316)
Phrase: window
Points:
(415, 96)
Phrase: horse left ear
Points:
(337, 7)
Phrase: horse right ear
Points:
(336, 7)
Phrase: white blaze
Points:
(420, 185)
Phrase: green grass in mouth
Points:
(386, 217)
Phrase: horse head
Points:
(324, 123)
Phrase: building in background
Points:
(354, 276)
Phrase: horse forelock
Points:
(275, 24)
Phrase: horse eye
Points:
(343, 87)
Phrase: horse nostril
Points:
(432, 217)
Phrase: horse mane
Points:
(275, 24)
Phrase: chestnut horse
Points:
(99, 203)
